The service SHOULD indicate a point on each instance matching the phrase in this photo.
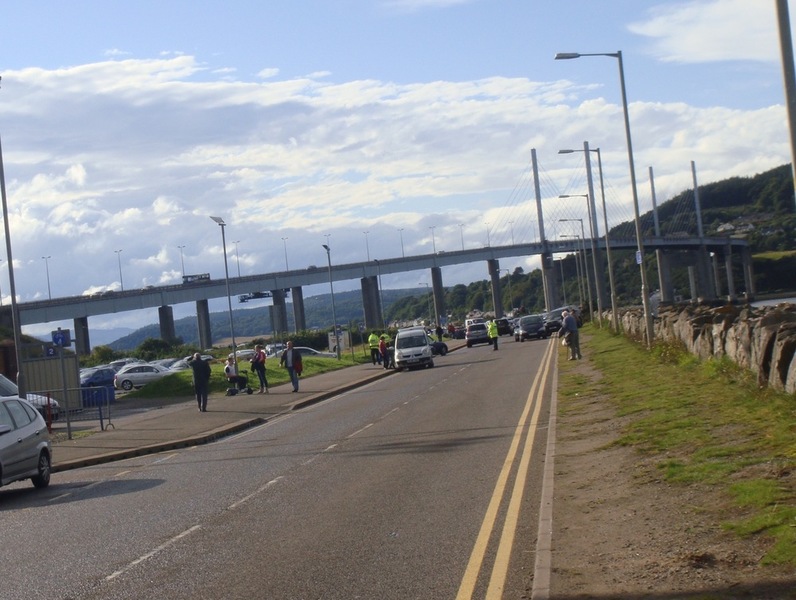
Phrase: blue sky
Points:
(126, 125)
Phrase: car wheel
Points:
(431, 364)
(127, 385)
(469, 345)
(42, 477)
(443, 351)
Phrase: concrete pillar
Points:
(665, 276)
(299, 316)
(731, 295)
(166, 320)
(493, 266)
(203, 324)
(279, 313)
(439, 294)
(692, 283)
(705, 287)
(82, 343)
(370, 301)
(748, 273)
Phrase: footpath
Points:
(171, 426)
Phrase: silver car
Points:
(138, 374)
(25, 450)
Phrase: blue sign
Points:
(62, 337)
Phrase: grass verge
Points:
(705, 424)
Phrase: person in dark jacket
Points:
(291, 360)
(201, 380)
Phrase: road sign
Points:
(62, 337)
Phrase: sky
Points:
(380, 127)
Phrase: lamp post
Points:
(381, 296)
(614, 310)
(428, 298)
(46, 260)
(182, 262)
(578, 275)
(119, 258)
(331, 290)
(237, 257)
(640, 244)
(563, 288)
(401, 233)
(221, 224)
(284, 243)
(367, 246)
(597, 287)
(585, 267)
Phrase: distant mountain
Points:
(104, 337)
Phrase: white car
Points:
(40, 403)
(25, 450)
(312, 352)
(137, 374)
(244, 354)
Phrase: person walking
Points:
(201, 380)
(291, 360)
(569, 331)
(258, 366)
(373, 342)
(383, 351)
(492, 332)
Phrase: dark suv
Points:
(476, 334)
(530, 326)
(504, 326)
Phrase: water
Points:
(773, 302)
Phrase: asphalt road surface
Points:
(422, 485)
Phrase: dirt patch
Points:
(621, 532)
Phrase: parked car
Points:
(504, 326)
(312, 352)
(97, 377)
(9, 389)
(25, 450)
(118, 364)
(439, 348)
(530, 326)
(243, 354)
(413, 349)
(137, 374)
(165, 362)
(476, 334)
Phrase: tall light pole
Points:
(367, 245)
(46, 260)
(237, 256)
(593, 244)
(614, 309)
(563, 289)
(221, 224)
(578, 275)
(639, 242)
(381, 296)
(119, 258)
(401, 233)
(331, 290)
(182, 261)
(585, 266)
(433, 239)
(284, 243)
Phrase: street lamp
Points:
(221, 224)
(381, 295)
(597, 287)
(401, 233)
(237, 257)
(182, 262)
(46, 260)
(367, 246)
(331, 289)
(614, 309)
(640, 244)
(284, 242)
(119, 258)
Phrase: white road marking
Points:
(152, 553)
(258, 491)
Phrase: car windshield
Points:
(531, 320)
(410, 341)
(8, 387)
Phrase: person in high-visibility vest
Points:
(373, 342)
(492, 331)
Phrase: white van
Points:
(412, 349)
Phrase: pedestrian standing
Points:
(258, 366)
(373, 342)
(569, 331)
(492, 331)
(201, 380)
(291, 360)
(383, 351)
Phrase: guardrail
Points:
(80, 405)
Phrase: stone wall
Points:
(762, 340)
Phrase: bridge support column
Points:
(203, 324)
(82, 343)
(299, 316)
(370, 302)
(748, 273)
(705, 288)
(665, 276)
(494, 281)
(166, 320)
(731, 295)
(279, 313)
(439, 294)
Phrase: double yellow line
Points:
(500, 568)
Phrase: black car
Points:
(530, 327)
(504, 327)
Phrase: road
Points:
(422, 485)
